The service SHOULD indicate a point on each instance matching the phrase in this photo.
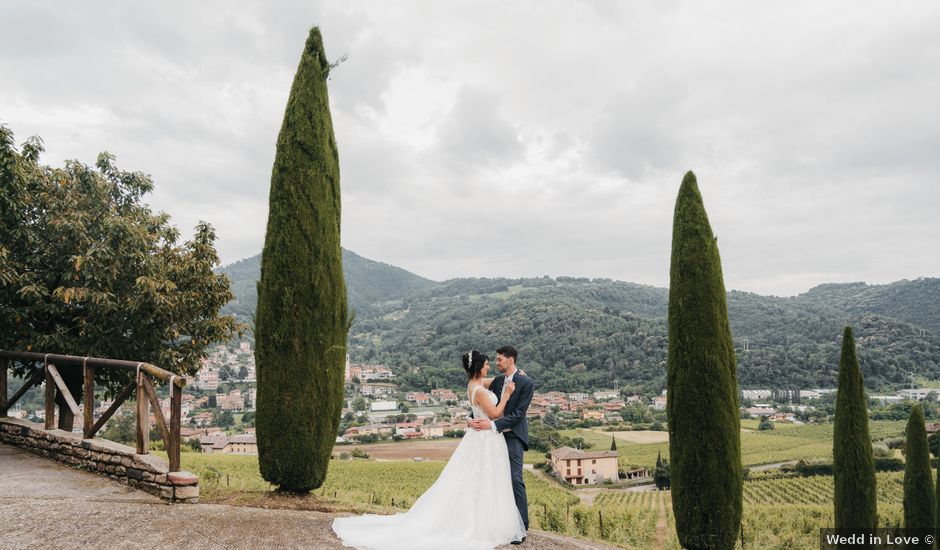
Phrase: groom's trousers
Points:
(516, 453)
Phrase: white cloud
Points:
(487, 139)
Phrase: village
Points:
(219, 403)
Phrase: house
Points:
(592, 414)
(378, 406)
(208, 378)
(443, 395)
(202, 419)
(577, 397)
(233, 401)
(582, 468)
(754, 395)
(757, 412)
(458, 413)
(244, 444)
(637, 473)
(535, 412)
(613, 406)
(659, 403)
(918, 394)
(606, 394)
(635, 399)
(213, 444)
(433, 431)
(782, 417)
(417, 397)
(374, 390)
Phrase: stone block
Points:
(182, 478)
(152, 463)
(184, 493)
(135, 474)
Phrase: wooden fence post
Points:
(143, 416)
(3, 386)
(89, 401)
(173, 445)
(50, 398)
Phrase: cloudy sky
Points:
(520, 138)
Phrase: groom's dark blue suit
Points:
(515, 427)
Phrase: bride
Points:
(471, 504)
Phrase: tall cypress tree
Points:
(918, 481)
(301, 320)
(702, 404)
(853, 463)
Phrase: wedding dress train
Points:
(469, 507)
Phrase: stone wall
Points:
(119, 462)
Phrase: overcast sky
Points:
(520, 138)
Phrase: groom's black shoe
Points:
(519, 541)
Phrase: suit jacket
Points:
(514, 415)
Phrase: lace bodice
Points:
(477, 411)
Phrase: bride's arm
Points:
(495, 411)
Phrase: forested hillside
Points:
(576, 333)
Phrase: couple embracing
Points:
(479, 500)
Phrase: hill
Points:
(916, 302)
(576, 333)
(368, 283)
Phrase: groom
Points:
(513, 424)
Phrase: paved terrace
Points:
(45, 504)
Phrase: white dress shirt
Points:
(505, 383)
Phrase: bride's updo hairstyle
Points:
(473, 363)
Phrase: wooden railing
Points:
(146, 395)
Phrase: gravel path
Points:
(44, 504)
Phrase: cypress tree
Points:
(702, 405)
(918, 481)
(853, 464)
(613, 443)
(301, 319)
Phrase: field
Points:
(757, 447)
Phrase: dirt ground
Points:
(645, 436)
(46, 505)
(435, 449)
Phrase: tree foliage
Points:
(301, 319)
(86, 268)
(702, 404)
(855, 499)
(919, 505)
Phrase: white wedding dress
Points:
(469, 507)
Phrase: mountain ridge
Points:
(582, 333)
